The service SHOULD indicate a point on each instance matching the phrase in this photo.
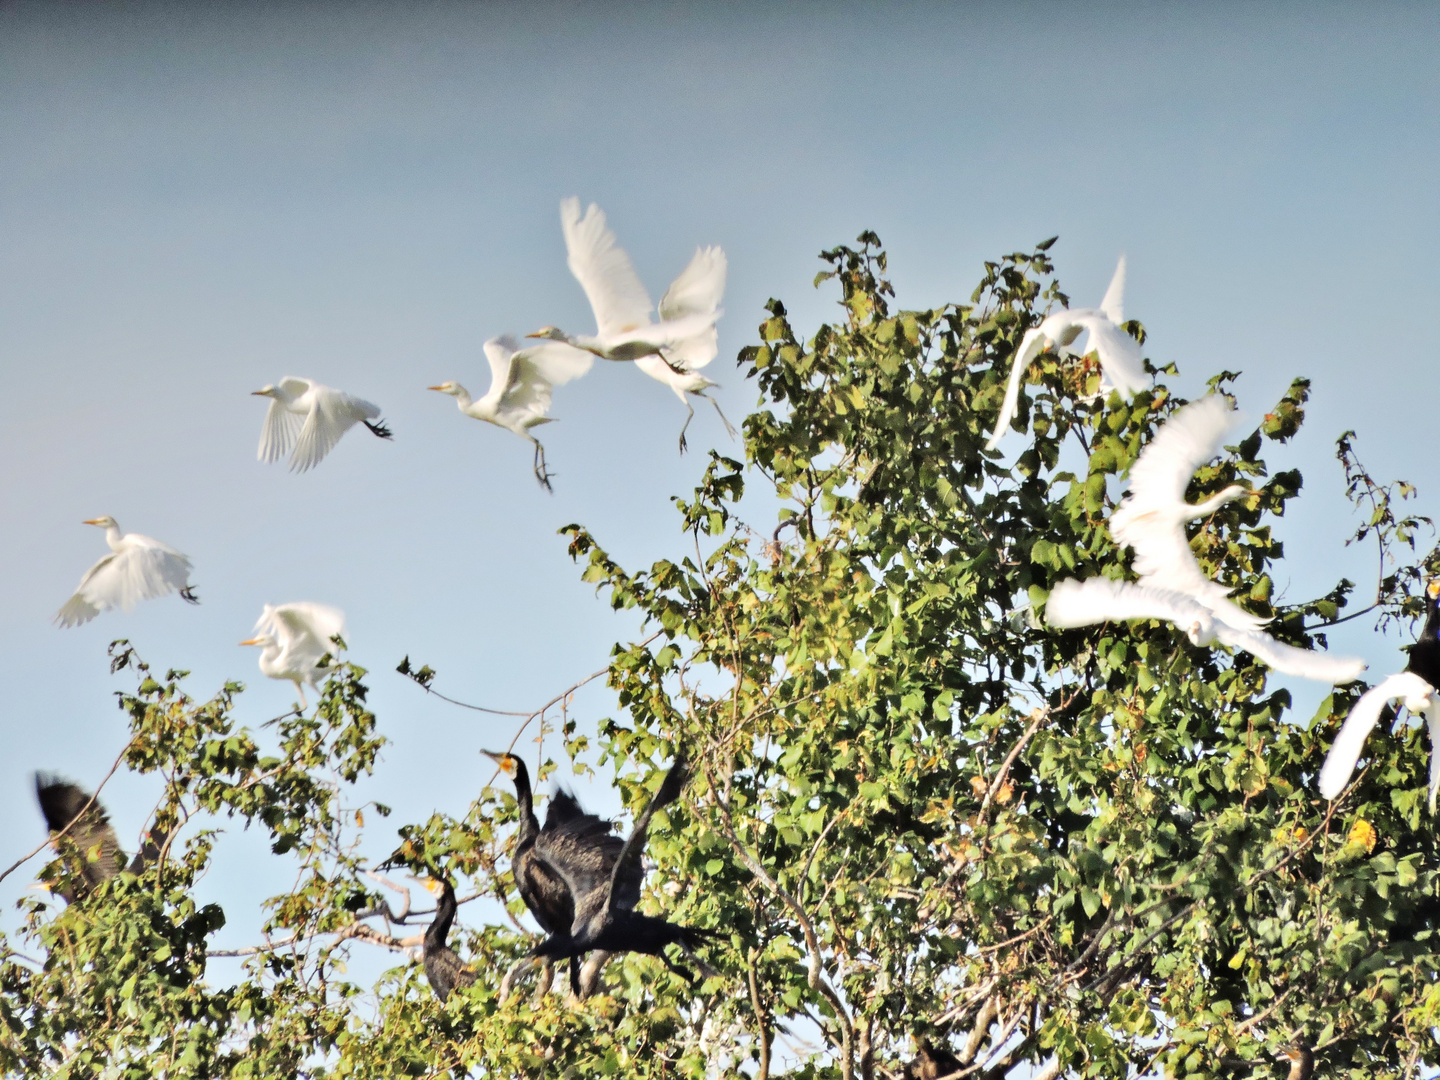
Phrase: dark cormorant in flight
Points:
(442, 966)
(1417, 685)
(570, 835)
(605, 915)
(88, 843)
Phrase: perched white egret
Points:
(1416, 687)
(1098, 600)
(520, 385)
(310, 417)
(294, 637)
(137, 568)
(1153, 515)
(1120, 358)
(672, 350)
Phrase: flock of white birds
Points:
(306, 420)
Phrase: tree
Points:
(918, 813)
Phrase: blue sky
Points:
(197, 200)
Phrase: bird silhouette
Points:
(137, 568)
(443, 966)
(310, 418)
(81, 833)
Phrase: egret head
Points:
(507, 762)
(553, 333)
(451, 388)
(266, 391)
(259, 639)
(1201, 631)
(106, 522)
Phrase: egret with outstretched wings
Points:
(137, 568)
(672, 349)
(306, 420)
(520, 384)
(1120, 358)
(294, 639)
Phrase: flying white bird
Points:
(137, 568)
(520, 385)
(311, 418)
(1153, 515)
(294, 637)
(1416, 686)
(1098, 600)
(1120, 356)
(672, 350)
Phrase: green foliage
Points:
(917, 812)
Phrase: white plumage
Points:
(520, 384)
(293, 639)
(1120, 357)
(1098, 600)
(137, 568)
(1152, 517)
(310, 417)
(672, 350)
(1417, 695)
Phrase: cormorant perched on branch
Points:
(442, 965)
(89, 843)
(605, 915)
(1417, 685)
(931, 1063)
(570, 835)
(1302, 1061)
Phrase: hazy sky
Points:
(198, 199)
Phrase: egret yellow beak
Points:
(440, 388)
(258, 393)
(93, 521)
(252, 641)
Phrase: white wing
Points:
(1121, 358)
(1096, 600)
(332, 413)
(1364, 715)
(556, 362)
(604, 271)
(1287, 659)
(500, 351)
(1113, 306)
(1030, 346)
(699, 288)
(304, 631)
(142, 570)
(278, 434)
(1152, 517)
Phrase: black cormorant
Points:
(570, 835)
(605, 915)
(442, 966)
(931, 1063)
(89, 843)
(1417, 686)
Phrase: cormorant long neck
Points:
(439, 929)
(525, 800)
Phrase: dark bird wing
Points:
(629, 868)
(88, 838)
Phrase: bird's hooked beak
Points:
(505, 761)
(253, 641)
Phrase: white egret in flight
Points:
(137, 568)
(1120, 357)
(310, 417)
(1153, 515)
(672, 350)
(1098, 600)
(294, 637)
(520, 385)
(1416, 686)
